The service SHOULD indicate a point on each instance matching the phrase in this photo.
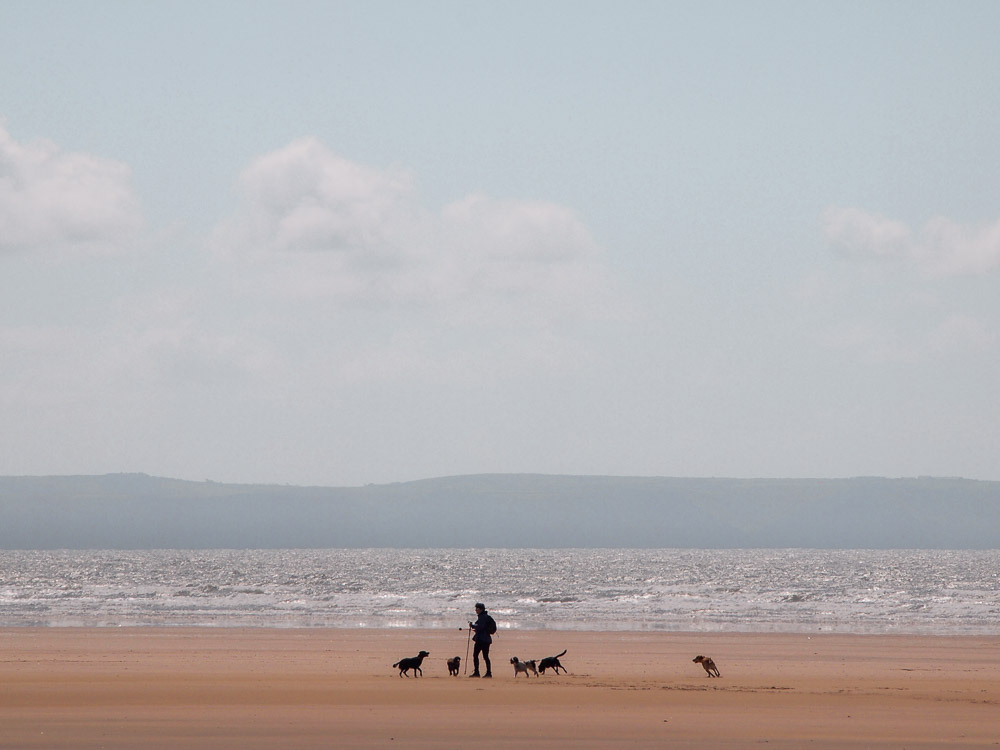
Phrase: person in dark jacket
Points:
(483, 627)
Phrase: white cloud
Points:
(313, 224)
(524, 248)
(942, 247)
(954, 249)
(55, 200)
(306, 198)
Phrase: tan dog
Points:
(523, 666)
(708, 664)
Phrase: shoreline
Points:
(191, 687)
(611, 632)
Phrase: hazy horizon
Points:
(417, 479)
(136, 511)
(342, 243)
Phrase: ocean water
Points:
(789, 590)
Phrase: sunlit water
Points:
(856, 591)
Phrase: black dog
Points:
(453, 665)
(551, 662)
(405, 665)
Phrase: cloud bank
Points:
(329, 272)
(62, 201)
(313, 224)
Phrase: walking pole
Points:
(466, 671)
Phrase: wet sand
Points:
(261, 688)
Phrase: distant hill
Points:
(136, 511)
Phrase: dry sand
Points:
(254, 688)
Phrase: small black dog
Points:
(708, 664)
(413, 662)
(453, 665)
(551, 662)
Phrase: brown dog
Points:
(453, 665)
(708, 664)
(523, 666)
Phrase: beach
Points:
(318, 688)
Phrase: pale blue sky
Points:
(337, 243)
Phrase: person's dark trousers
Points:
(483, 649)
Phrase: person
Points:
(484, 627)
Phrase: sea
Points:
(938, 592)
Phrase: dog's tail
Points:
(396, 664)
(562, 654)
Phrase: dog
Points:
(413, 662)
(551, 662)
(708, 664)
(453, 665)
(523, 666)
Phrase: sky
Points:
(338, 243)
